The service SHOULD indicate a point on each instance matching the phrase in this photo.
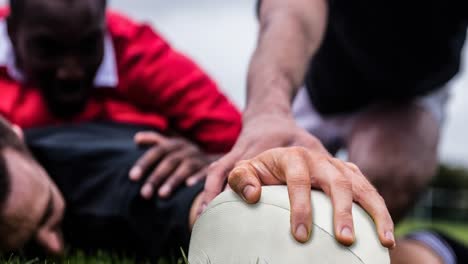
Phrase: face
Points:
(34, 209)
(59, 46)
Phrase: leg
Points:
(429, 246)
(396, 148)
(412, 252)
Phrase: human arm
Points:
(290, 34)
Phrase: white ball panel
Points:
(231, 231)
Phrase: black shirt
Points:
(104, 210)
(385, 50)
(376, 50)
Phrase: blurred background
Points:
(221, 35)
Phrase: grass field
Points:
(456, 230)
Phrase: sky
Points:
(220, 35)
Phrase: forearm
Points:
(290, 33)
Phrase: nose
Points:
(70, 70)
(52, 241)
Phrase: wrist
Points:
(274, 98)
(278, 110)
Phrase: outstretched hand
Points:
(273, 150)
(302, 169)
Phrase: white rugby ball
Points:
(233, 232)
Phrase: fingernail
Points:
(203, 207)
(191, 182)
(147, 191)
(135, 173)
(346, 232)
(389, 235)
(165, 190)
(247, 191)
(301, 233)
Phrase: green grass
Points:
(456, 230)
(104, 258)
(81, 258)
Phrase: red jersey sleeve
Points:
(162, 80)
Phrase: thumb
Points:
(217, 175)
(245, 182)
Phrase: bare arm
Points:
(272, 149)
(290, 34)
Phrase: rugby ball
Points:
(233, 232)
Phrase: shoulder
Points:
(133, 38)
(121, 27)
(134, 43)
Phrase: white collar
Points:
(106, 75)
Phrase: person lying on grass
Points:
(71, 188)
(101, 209)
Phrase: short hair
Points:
(17, 6)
